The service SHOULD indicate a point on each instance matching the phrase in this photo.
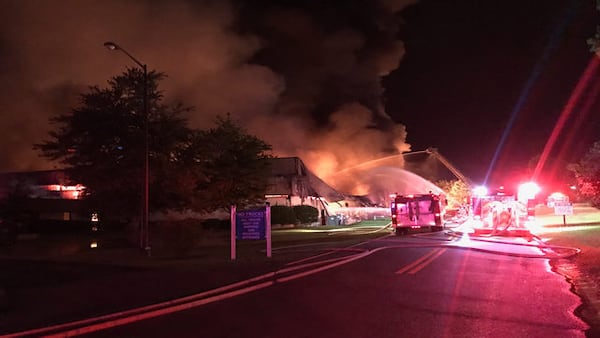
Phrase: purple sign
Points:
(251, 224)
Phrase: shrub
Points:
(281, 214)
(216, 224)
(306, 213)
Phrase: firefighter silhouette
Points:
(501, 217)
(413, 211)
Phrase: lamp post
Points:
(144, 229)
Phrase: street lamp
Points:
(144, 229)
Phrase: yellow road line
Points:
(418, 261)
(424, 264)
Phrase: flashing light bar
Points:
(528, 190)
(480, 191)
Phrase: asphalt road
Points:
(392, 287)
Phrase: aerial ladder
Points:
(436, 154)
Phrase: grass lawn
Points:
(211, 247)
(582, 230)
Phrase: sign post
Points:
(251, 224)
(233, 226)
(268, 225)
(563, 209)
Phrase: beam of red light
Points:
(581, 117)
(583, 82)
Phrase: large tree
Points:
(101, 142)
(587, 173)
(234, 166)
(101, 145)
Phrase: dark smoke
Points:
(332, 56)
(303, 75)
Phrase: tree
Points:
(457, 192)
(101, 142)
(234, 166)
(594, 42)
(587, 173)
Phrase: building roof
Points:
(290, 176)
(26, 180)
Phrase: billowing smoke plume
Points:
(302, 75)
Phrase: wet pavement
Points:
(587, 287)
(36, 287)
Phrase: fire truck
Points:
(504, 212)
(416, 212)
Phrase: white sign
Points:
(563, 209)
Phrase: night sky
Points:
(471, 64)
(336, 83)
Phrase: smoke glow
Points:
(305, 76)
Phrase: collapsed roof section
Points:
(289, 176)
